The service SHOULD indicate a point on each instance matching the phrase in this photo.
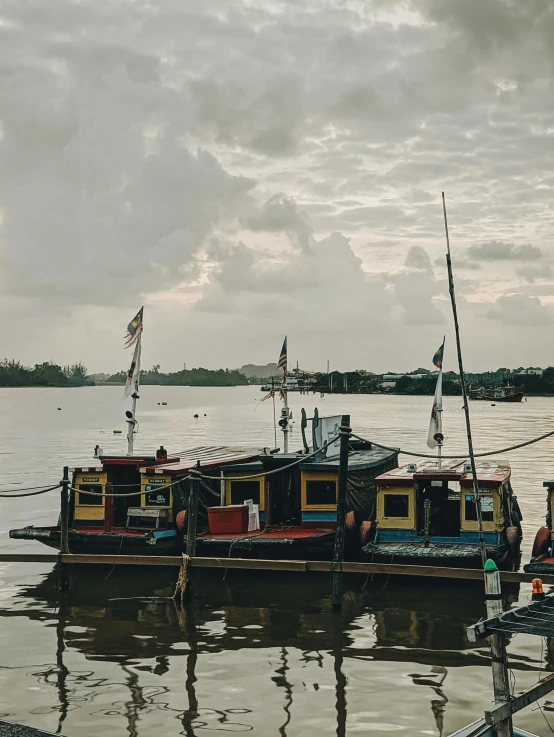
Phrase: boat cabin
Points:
(297, 505)
(427, 508)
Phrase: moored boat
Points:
(427, 515)
(505, 393)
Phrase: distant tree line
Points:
(13, 373)
(186, 377)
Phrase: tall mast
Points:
(464, 389)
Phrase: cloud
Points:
(281, 213)
(232, 160)
(520, 310)
(498, 251)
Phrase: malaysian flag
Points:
(282, 363)
(437, 358)
(134, 329)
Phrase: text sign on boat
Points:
(327, 428)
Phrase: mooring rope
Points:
(457, 457)
(10, 495)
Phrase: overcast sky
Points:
(247, 169)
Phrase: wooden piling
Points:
(338, 555)
(64, 528)
(500, 675)
(192, 512)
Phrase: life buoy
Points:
(366, 532)
(542, 542)
(180, 520)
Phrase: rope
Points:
(459, 457)
(31, 493)
(27, 488)
(182, 579)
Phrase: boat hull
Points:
(96, 542)
(517, 397)
(440, 555)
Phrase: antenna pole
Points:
(285, 416)
(274, 418)
(464, 388)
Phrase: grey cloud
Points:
(281, 213)
(520, 310)
(498, 251)
(418, 259)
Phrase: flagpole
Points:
(285, 414)
(274, 418)
(132, 420)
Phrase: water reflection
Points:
(111, 620)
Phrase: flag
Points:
(283, 387)
(131, 382)
(134, 329)
(437, 358)
(435, 424)
(282, 363)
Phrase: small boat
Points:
(542, 555)
(427, 515)
(505, 393)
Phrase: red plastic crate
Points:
(229, 519)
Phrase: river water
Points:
(258, 654)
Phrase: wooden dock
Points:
(255, 564)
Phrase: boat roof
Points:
(358, 460)
(489, 473)
(209, 457)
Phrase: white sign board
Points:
(327, 428)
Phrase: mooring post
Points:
(338, 556)
(500, 675)
(193, 511)
(64, 527)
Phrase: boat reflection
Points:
(136, 624)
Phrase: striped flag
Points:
(133, 375)
(282, 363)
(134, 329)
(435, 424)
(437, 358)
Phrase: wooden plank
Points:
(251, 564)
(503, 711)
(383, 569)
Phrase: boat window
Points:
(92, 500)
(243, 490)
(321, 492)
(487, 509)
(397, 505)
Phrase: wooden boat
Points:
(297, 507)
(506, 393)
(426, 515)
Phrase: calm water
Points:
(259, 654)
